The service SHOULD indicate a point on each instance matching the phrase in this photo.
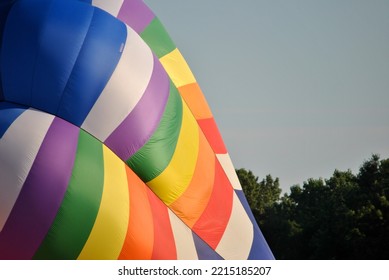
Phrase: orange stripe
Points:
(209, 127)
(140, 234)
(191, 204)
(164, 245)
(195, 100)
(213, 222)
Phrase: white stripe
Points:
(110, 6)
(124, 89)
(18, 149)
(229, 169)
(185, 246)
(239, 234)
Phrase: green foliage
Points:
(260, 195)
(343, 217)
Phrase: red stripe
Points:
(211, 132)
(213, 222)
(164, 245)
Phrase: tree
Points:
(372, 208)
(343, 217)
(259, 195)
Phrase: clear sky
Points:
(297, 88)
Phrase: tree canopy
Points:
(343, 217)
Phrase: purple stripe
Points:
(42, 193)
(139, 125)
(136, 14)
(260, 250)
(204, 252)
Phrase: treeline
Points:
(343, 217)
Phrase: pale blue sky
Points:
(297, 88)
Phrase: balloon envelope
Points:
(108, 149)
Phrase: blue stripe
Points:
(20, 48)
(259, 249)
(1, 89)
(61, 38)
(62, 57)
(204, 251)
(243, 200)
(95, 64)
(8, 114)
(5, 6)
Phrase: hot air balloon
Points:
(108, 149)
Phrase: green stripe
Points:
(78, 211)
(149, 161)
(157, 38)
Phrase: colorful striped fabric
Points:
(87, 202)
(107, 142)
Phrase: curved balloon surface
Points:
(108, 149)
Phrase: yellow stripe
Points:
(175, 179)
(177, 68)
(109, 231)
